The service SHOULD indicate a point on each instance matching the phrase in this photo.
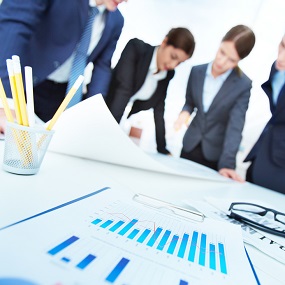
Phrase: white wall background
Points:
(208, 20)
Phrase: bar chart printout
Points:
(194, 248)
(113, 240)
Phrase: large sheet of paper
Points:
(107, 237)
(88, 130)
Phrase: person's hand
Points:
(182, 119)
(230, 173)
(3, 120)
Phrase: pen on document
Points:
(30, 95)
(20, 89)
(65, 102)
(10, 69)
(186, 213)
(7, 110)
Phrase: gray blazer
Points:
(219, 130)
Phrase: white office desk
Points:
(62, 178)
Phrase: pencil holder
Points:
(25, 148)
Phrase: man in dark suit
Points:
(142, 76)
(45, 34)
(268, 154)
(220, 92)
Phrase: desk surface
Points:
(63, 178)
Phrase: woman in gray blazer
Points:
(142, 76)
(219, 93)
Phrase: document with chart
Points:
(107, 237)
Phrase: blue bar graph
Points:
(223, 265)
(116, 226)
(202, 255)
(193, 246)
(127, 227)
(164, 239)
(106, 224)
(144, 235)
(86, 261)
(117, 270)
(154, 237)
(63, 245)
(97, 221)
(173, 244)
(183, 245)
(212, 257)
(183, 282)
(133, 234)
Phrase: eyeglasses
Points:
(252, 214)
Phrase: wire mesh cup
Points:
(25, 148)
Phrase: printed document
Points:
(107, 237)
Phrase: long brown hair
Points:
(243, 39)
(181, 38)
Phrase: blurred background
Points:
(208, 20)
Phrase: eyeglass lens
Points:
(251, 210)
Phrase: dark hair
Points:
(243, 39)
(181, 38)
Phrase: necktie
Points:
(80, 58)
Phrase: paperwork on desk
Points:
(88, 130)
(106, 237)
(272, 245)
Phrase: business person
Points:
(45, 35)
(142, 76)
(267, 156)
(219, 92)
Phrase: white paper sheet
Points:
(109, 238)
(88, 130)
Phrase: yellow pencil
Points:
(7, 110)
(65, 102)
(20, 90)
(14, 90)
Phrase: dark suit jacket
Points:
(128, 77)
(220, 129)
(44, 34)
(274, 130)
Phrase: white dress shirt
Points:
(212, 86)
(150, 84)
(61, 74)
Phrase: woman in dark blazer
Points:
(220, 92)
(268, 154)
(142, 76)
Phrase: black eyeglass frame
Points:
(253, 223)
